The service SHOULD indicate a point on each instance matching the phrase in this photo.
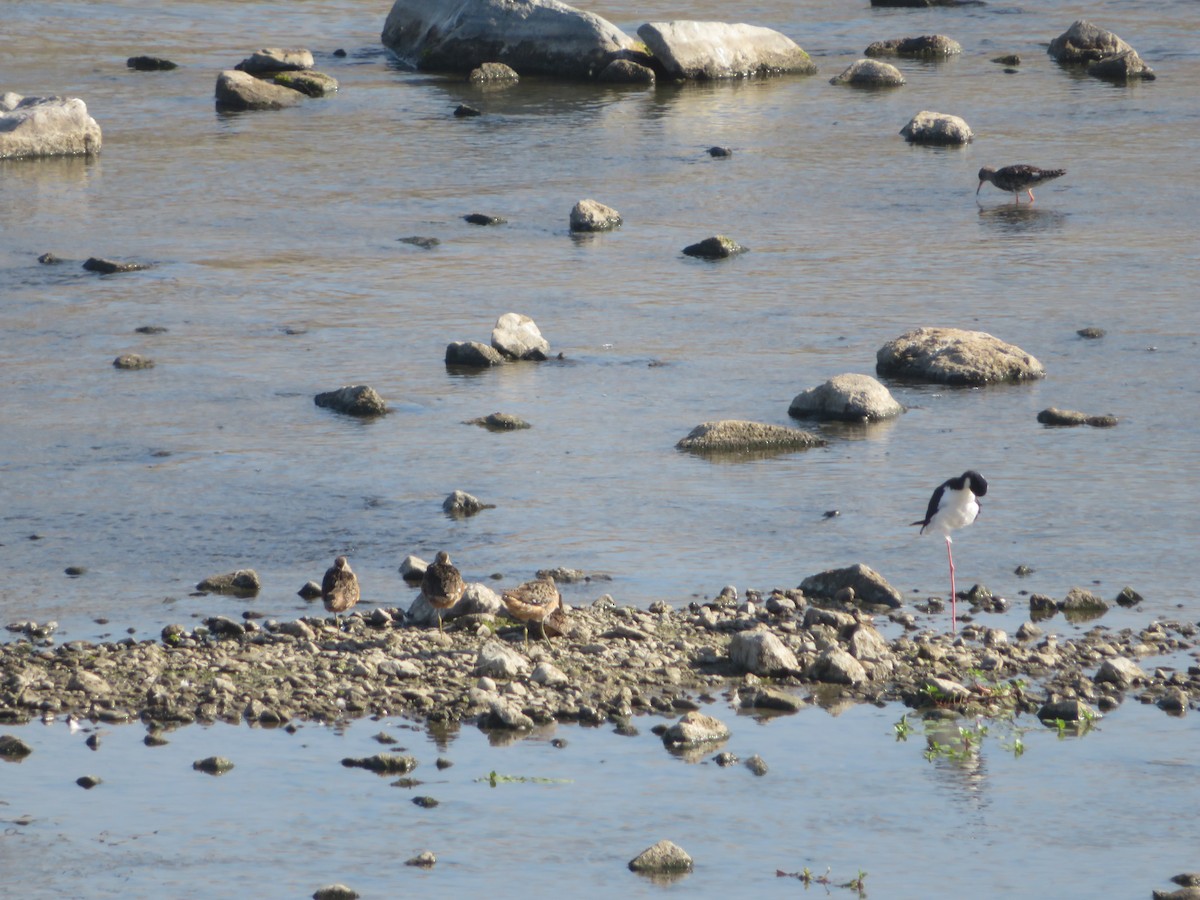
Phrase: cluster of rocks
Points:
(514, 337)
(1102, 53)
(950, 356)
(271, 78)
(606, 663)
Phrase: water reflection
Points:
(1021, 218)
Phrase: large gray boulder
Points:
(46, 126)
(239, 91)
(534, 37)
(868, 585)
(956, 357)
(737, 436)
(939, 129)
(848, 398)
(710, 50)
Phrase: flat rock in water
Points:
(382, 763)
(425, 860)
(276, 59)
(735, 435)
(500, 422)
(150, 64)
(472, 354)
(241, 582)
(312, 84)
(869, 73)
(46, 126)
(716, 247)
(712, 50)
(937, 129)
(1054, 416)
(591, 215)
(353, 400)
(955, 357)
(926, 46)
(517, 336)
(868, 585)
(213, 765)
(533, 37)
(849, 398)
(12, 747)
(240, 92)
(664, 856)
(111, 266)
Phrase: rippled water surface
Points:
(279, 273)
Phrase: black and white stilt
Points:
(955, 504)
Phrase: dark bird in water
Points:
(1018, 178)
(442, 584)
(339, 588)
(533, 601)
(954, 505)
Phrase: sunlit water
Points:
(279, 274)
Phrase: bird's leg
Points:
(439, 612)
(526, 635)
(953, 595)
(1030, 195)
(546, 638)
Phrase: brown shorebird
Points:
(1018, 178)
(533, 601)
(339, 589)
(442, 585)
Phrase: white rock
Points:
(46, 126)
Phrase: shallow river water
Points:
(279, 273)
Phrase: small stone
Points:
(353, 400)
(382, 763)
(425, 802)
(12, 747)
(1091, 333)
(1128, 597)
(482, 219)
(461, 504)
(516, 336)
(463, 111)
(662, 857)
(757, 765)
(150, 64)
(1011, 59)
(591, 215)
(310, 591)
(213, 765)
(424, 860)
(87, 782)
(133, 362)
(500, 422)
(720, 152)
(443, 763)
(695, 729)
(725, 759)
(335, 892)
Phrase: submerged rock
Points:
(242, 582)
(150, 64)
(358, 400)
(492, 73)
(133, 361)
(533, 37)
(498, 421)
(1054, 416)
(849, 397)
(460, 503)
(716, 247)
(213, 765)
(734, 435)
(713, 50)
(46, 126)
(869, 73)
(111, 266)
(938, 129)
(955, 357)
(335, 892)
(927, 46)
(382, 763)
(472, 355)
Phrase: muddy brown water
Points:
(279, 273)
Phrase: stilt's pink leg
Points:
(953, 594)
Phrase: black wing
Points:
(935, 503)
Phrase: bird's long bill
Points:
(978, 189)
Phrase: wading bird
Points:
(533, 601)
(954, 504)
(339, 588)
(442, 584)
(1016, 179)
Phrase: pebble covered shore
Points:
(778, 652)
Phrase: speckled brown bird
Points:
(339, 588)
(442, 584)
(533, 601)
(1018, 178)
